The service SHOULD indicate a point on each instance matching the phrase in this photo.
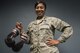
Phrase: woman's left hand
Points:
(52, 42)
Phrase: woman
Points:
(40, 33)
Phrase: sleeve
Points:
(64, 27)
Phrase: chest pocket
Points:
(44, 26)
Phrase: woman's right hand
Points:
(19, 26)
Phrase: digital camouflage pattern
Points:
(40, 31)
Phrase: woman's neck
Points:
(39, 17)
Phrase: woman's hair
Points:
(40, 1)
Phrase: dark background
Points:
(23, 11)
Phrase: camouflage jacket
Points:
(42, 30)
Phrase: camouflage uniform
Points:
(42, 30)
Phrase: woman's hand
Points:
(52, 42)
(19, 26)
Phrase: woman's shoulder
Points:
(31, 23)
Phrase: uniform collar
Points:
(38, 21)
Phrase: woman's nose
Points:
(39, 8)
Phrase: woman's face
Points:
(40, 10)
